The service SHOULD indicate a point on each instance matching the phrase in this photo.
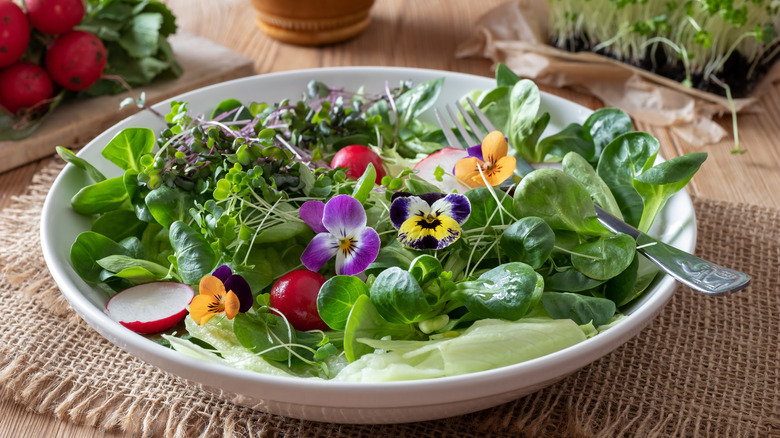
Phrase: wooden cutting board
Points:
(75, 123)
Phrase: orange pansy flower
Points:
(213, 299)
(496, 166)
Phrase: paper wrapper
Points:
(516, 34)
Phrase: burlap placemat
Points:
(704, 367)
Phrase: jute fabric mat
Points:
(704, 367)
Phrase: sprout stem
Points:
(726, 87)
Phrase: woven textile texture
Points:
(705, 367)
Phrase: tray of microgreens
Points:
(338, 236)
(722, 47)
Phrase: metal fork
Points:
(696, 273)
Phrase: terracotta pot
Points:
(312, 22)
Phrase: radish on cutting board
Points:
(24, 85)
(54, 17)
(14, 33)
(76, 59)
(150, 307)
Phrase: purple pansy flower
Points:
(237, 284)
(341, 231)
(429, 220)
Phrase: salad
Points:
(338, 237)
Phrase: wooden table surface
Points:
(412, 33)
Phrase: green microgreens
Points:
(708, 31)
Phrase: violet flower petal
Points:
(241, 288)
(223, 273)
(454, 205)
(311, 212)
(473, 151)
(364, 253)
(403, 208)
(476, 152)
(397, 195)
(431, 197)
(321, 249)
(344, 216)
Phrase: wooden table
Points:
(424, 34)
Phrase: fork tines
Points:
(452, 139)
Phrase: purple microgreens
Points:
(227, 114)
(295, 151)
(346, 236)
(274, 120)
(334, 97)
(430, 220)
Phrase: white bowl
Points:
(342, 402)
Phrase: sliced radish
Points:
(150, 307)
(446, 159)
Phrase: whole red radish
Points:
(356, 158)
(14, 33)
(294, 295)
(75, 60)
(150, 307)
(54, 17)
(23, 85)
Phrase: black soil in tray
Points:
(734, 72)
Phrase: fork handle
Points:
(698, 274)
(692, 271)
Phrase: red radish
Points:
(446, 159)
(294, 295)
(356, 159)
(54, 17)
(75, 60)
(150, 307)
(14, 33)
(23, 85)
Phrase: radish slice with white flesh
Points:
(446, 158)
(150, 307)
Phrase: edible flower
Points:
(221, 292)
(212, 300)
(341, 231)
(430, 220)
(489, 160)
(237, 284)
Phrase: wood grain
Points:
(18, 422)
(413, 33)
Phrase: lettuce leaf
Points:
(487, 344)
(218, 332)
